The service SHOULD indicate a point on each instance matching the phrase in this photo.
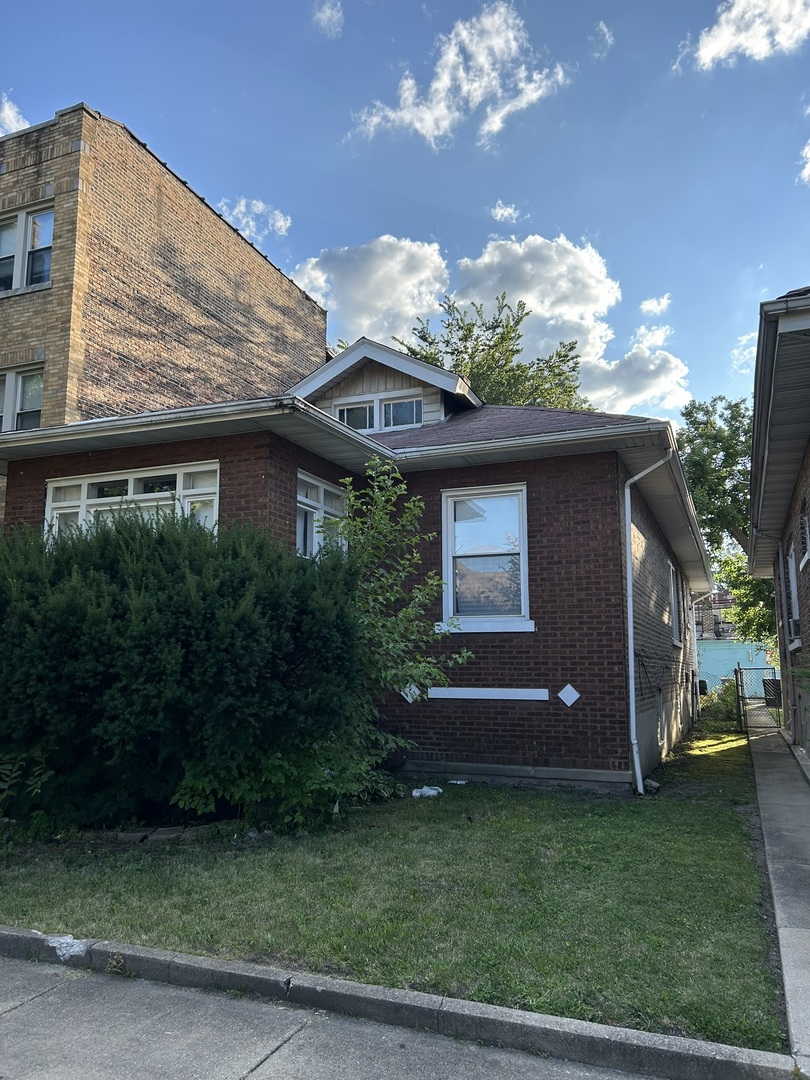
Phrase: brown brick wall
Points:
(576, 600)
(660, 665)
(155, 301)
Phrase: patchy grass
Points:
(644, 913)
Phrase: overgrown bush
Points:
(143, 664)
(718, 708)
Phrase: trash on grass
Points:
(425, 791)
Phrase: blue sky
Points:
(638, 173)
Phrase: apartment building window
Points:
(485, 559)
(190, 489)
(317, 501)
(26, 240)
(20, 400)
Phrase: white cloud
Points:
(656, 305)
(744, 354)
(653, 337)
(602, 41)
(379, 289)
(655, 380)
(804, 175)
(254, 219)
(11, 119)
(754, 28)
(504, 212)
(485, 62)
(328, 17)
(567, 288)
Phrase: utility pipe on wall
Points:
(631, 631)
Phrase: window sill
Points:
(488, 626)
(25, 289)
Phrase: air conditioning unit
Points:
(794, 629)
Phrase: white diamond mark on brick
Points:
(569, 695)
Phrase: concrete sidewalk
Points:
(783, 791)
(72, 1015)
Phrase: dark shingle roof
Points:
(503, 422)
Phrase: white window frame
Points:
(482, 624)
(804, 537)
(313, 511)
(23, 223)
(676, 606)
(793, 635)
(378, 401)
(84, 506)
(10, 396)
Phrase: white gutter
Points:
(631, 633)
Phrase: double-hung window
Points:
(317, 502)
(26, 239)
(485, 559)
(191, 489)
(20, 399)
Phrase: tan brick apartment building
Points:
(122, 291)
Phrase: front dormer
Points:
(372, 388)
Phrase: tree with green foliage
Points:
(753, 611)
(484, 350)
(715, 441)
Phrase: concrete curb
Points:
(574, 1040)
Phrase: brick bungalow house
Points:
(780, 490)
(567, 541)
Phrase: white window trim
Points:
(377, 400)
(486, 624)
(23, 219)
(792, 586)
(804, 540)
(676, 605)
(316, 506)
(86, 507)
(11, 394)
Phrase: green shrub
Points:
(149, 663)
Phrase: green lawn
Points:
(644, 913)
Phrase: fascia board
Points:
(366, 349)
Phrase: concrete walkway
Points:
(783, 791)
(71, 1014)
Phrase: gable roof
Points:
(364, 350)
(781, 420)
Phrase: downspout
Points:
(631, 632)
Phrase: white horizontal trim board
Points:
(494, 693)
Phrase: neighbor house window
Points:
(675, 604)
(794, 633)
(26, 239)
(191, 489)
(377, 412)
(20, 400)
(485, 559)
(317, 502)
